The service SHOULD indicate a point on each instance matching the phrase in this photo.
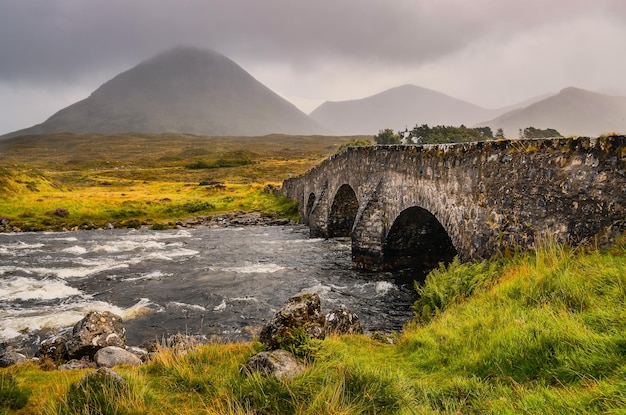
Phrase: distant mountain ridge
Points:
(183, 90)
(195, 91)
(403, 106)
(573, 111)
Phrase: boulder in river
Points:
(96, 330)
(54, 348)
(342, 321)
(10, 357)
(301, 312)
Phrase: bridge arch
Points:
(488, 196)
(343, 212)
(309, 204)
(417, 240)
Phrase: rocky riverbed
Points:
(224, 220)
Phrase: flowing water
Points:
(224, 283)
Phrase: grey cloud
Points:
(60, 40)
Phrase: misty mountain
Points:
(397, 108)
(572, 111)
(183, 90)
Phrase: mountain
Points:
(523, 104)
(397, 108)
(572, 111)
(183, 90)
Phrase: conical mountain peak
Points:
(181, 90)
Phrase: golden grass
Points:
(131, 179)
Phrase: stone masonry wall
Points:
(488, 196)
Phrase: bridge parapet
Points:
(402, 202)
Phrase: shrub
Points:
(61, 212)
(298, 342)
(193, 206)
(197, 206)
(354, 143)
(218, 164)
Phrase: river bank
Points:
(535, 333)
(221, 282)
(240, 218)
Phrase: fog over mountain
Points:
(573, 111)
(189, 90)
(183, 90)
(397, 108)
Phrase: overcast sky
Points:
(490, 52)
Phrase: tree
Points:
(485, 131)
(499, 133)
(445, 134)
(354, 143)
(387, 136)
(532, 132)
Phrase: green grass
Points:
(130, 180)
(542, 332)
(532, 333)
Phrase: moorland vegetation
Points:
(68, 181)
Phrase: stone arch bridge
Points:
(416, 206)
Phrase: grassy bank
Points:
(536, 333)
(67, 180)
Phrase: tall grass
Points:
(542, 332)
(549, 325)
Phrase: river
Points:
(223, 283)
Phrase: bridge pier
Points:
(368, 236)
(316, 214)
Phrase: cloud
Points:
(495, 73)
(311, 51)
(59, 39)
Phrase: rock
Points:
(279, 222)
(104, 375)
(302, 311)
(279, 363)
(55, 348)
(75, 364)
(273, 190)
(97, 330)
(112, 356)
(142, 354)
(179, 343)
(342, 321)
(11, 357)
(182, 343)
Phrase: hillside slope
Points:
(572, 111)
(183, 90)
(397, 108)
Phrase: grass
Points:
(130, 180)
(534, 333)
(531, 333)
